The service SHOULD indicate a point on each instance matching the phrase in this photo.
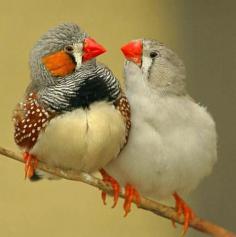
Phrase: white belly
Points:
(83, 140)
(172, 146)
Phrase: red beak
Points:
(133, 51)
(92, 49)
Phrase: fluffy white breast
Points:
(83, 140)
(172, 144)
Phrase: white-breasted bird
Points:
(173, 142)
(73, 114)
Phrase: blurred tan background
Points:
(201, 32)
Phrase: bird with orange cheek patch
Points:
(73, 114)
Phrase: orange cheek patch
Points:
(59, 64)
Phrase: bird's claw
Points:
(30, 164)
(115, 186)
(183, 208)
(131, 194)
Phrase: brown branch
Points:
(146, 204)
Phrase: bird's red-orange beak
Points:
(133, 51)
(92, 49)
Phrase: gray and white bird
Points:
(73, 114)
(173, 142)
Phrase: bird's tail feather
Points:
(39, 175)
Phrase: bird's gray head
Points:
(61, 51)
(158, 66)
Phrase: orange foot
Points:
(183, 208)
(115, 185)
(30, 164)
(131, 194)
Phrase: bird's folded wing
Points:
(122, 104)
(29, 119)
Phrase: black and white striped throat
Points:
(81, 89)
(98, 86)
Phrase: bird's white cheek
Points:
(146, 65)
(78, 59)
(78, 54)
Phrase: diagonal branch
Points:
(146, 204)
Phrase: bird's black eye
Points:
(69, 49)
(153, 54)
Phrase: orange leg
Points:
(115, 185)
(183, 208)
(30, 164)
(131, 194)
